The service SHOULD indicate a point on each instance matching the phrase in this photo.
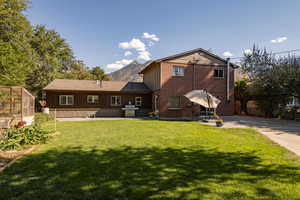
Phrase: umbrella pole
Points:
(208, 101)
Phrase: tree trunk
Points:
(244, 106)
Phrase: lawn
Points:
(146, 159)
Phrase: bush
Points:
(40, 118)
(16, 138)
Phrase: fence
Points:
(16, 102)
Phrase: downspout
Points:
(193, 87)
(228, 80)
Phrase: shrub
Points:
(153, 114)
(16, 138)
(40, 118)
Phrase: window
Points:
(115, 100)
(219, 73)
(178, 71)
(174, 102)
(138, 101)
(66, 99)
(93, 99)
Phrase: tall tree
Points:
(17, 58)
(78, 70)
(54, 57)
(98, 74)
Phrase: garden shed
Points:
(16, 104)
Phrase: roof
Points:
(185, 54)
(91, 85)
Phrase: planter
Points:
(46, 110)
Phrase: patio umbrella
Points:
(203, 98)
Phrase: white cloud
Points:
(227, 54)
(151, 37)
(127, 53)
(279, 40)
(248, 51)
(139, 46)
(136, 44)
(144, 55)
(119, 64)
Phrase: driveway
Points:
(284, 132)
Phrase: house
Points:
(165, 82)
(171, 77)
(89, 98)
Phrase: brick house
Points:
(171, 77)
(165, 82)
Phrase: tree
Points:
(78, 70)
(33, 56)
(54, 58)
(241, 92)
(274, 80)
(17, 58)
(98, 74)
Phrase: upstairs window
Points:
(66, 99)
(219, 73)
(178, 71)
(138, 101)
(115, 100)
(93, 99)
(174, 102)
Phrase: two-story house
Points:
(172, 77)
(165, 82)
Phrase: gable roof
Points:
(186, 53)
(91, 85)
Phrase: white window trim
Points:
(219, 76)
(93, 99)
(111, 101)
(179, 73)
(138, 102)
(67, 103)
(294, 102)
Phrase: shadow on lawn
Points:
(141, 173)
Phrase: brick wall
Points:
(91, 112)
(203, 79)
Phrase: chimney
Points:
(99, 82)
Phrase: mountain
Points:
(128, 73)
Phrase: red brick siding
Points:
(178, 86)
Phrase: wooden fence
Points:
(15, 102)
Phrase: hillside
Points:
(128, 73)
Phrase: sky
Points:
(113, 33)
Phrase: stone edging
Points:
(17, 158)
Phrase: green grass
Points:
(145, 159)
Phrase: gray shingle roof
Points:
(91, 85)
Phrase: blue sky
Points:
(100, 32)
